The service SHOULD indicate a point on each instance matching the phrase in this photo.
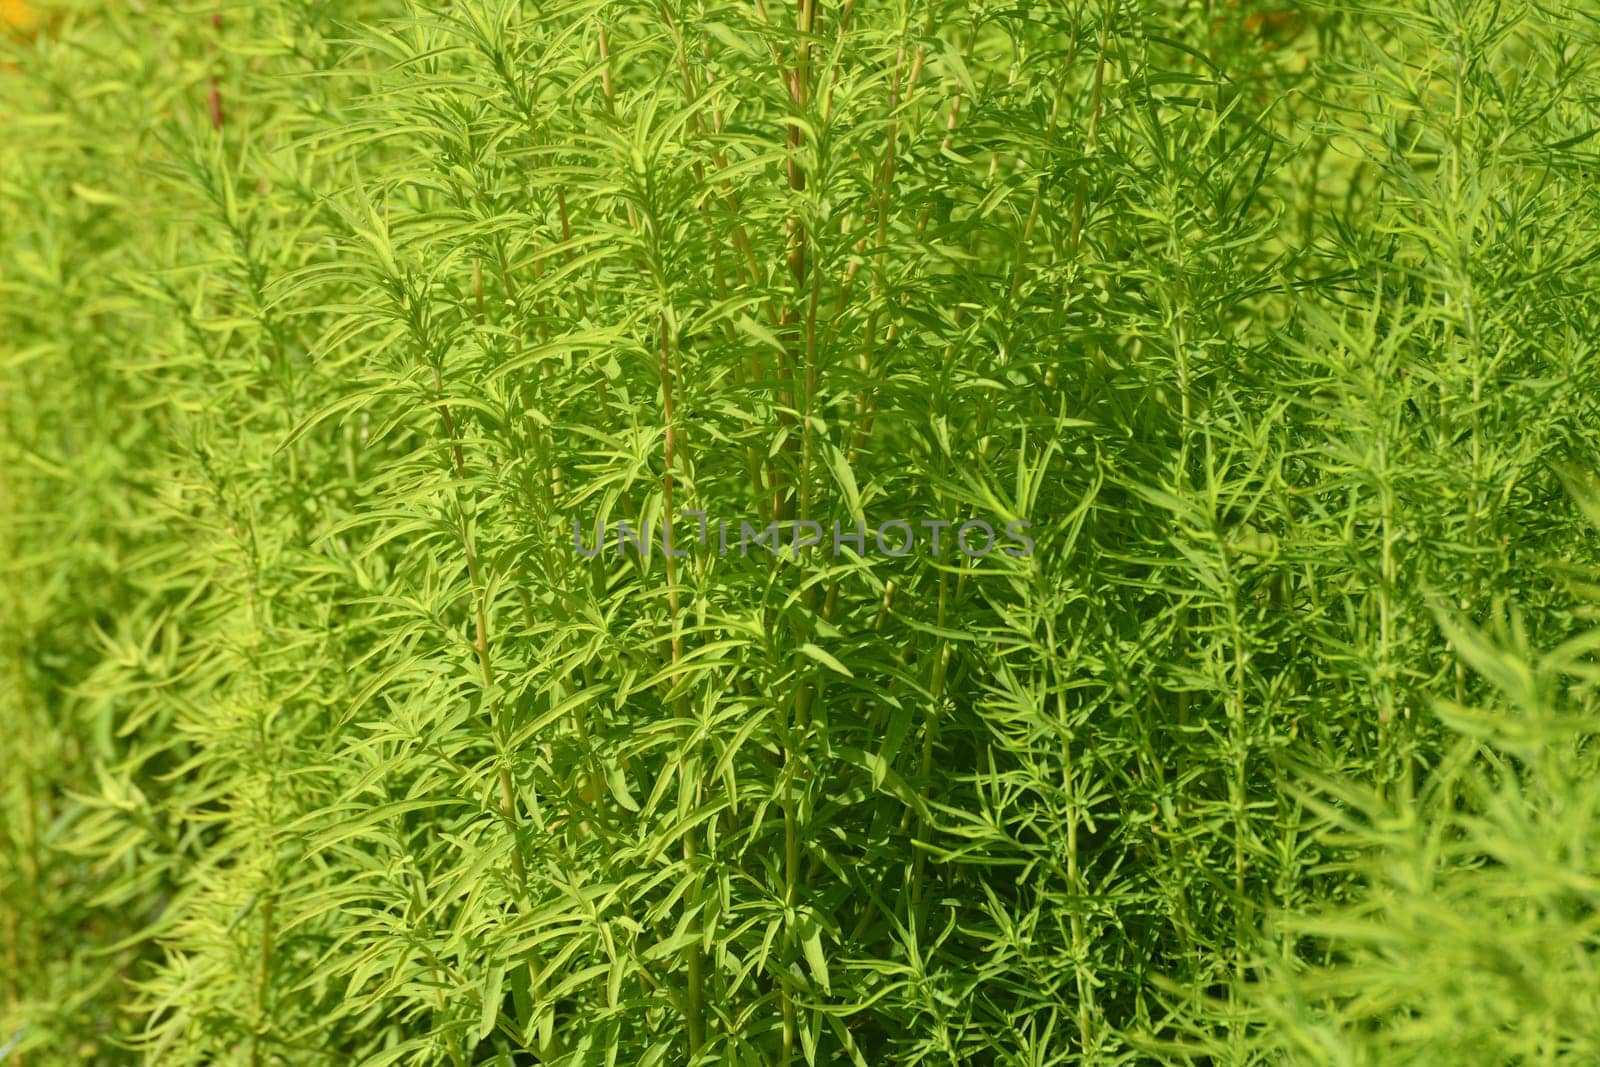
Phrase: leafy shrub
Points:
(333, 332)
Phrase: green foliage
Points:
(323, 324)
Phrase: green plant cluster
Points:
(324, 325)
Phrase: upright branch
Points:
(882, 192)
(694, 999)
(214, 89)
(796, 78)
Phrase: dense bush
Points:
(327, 328)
